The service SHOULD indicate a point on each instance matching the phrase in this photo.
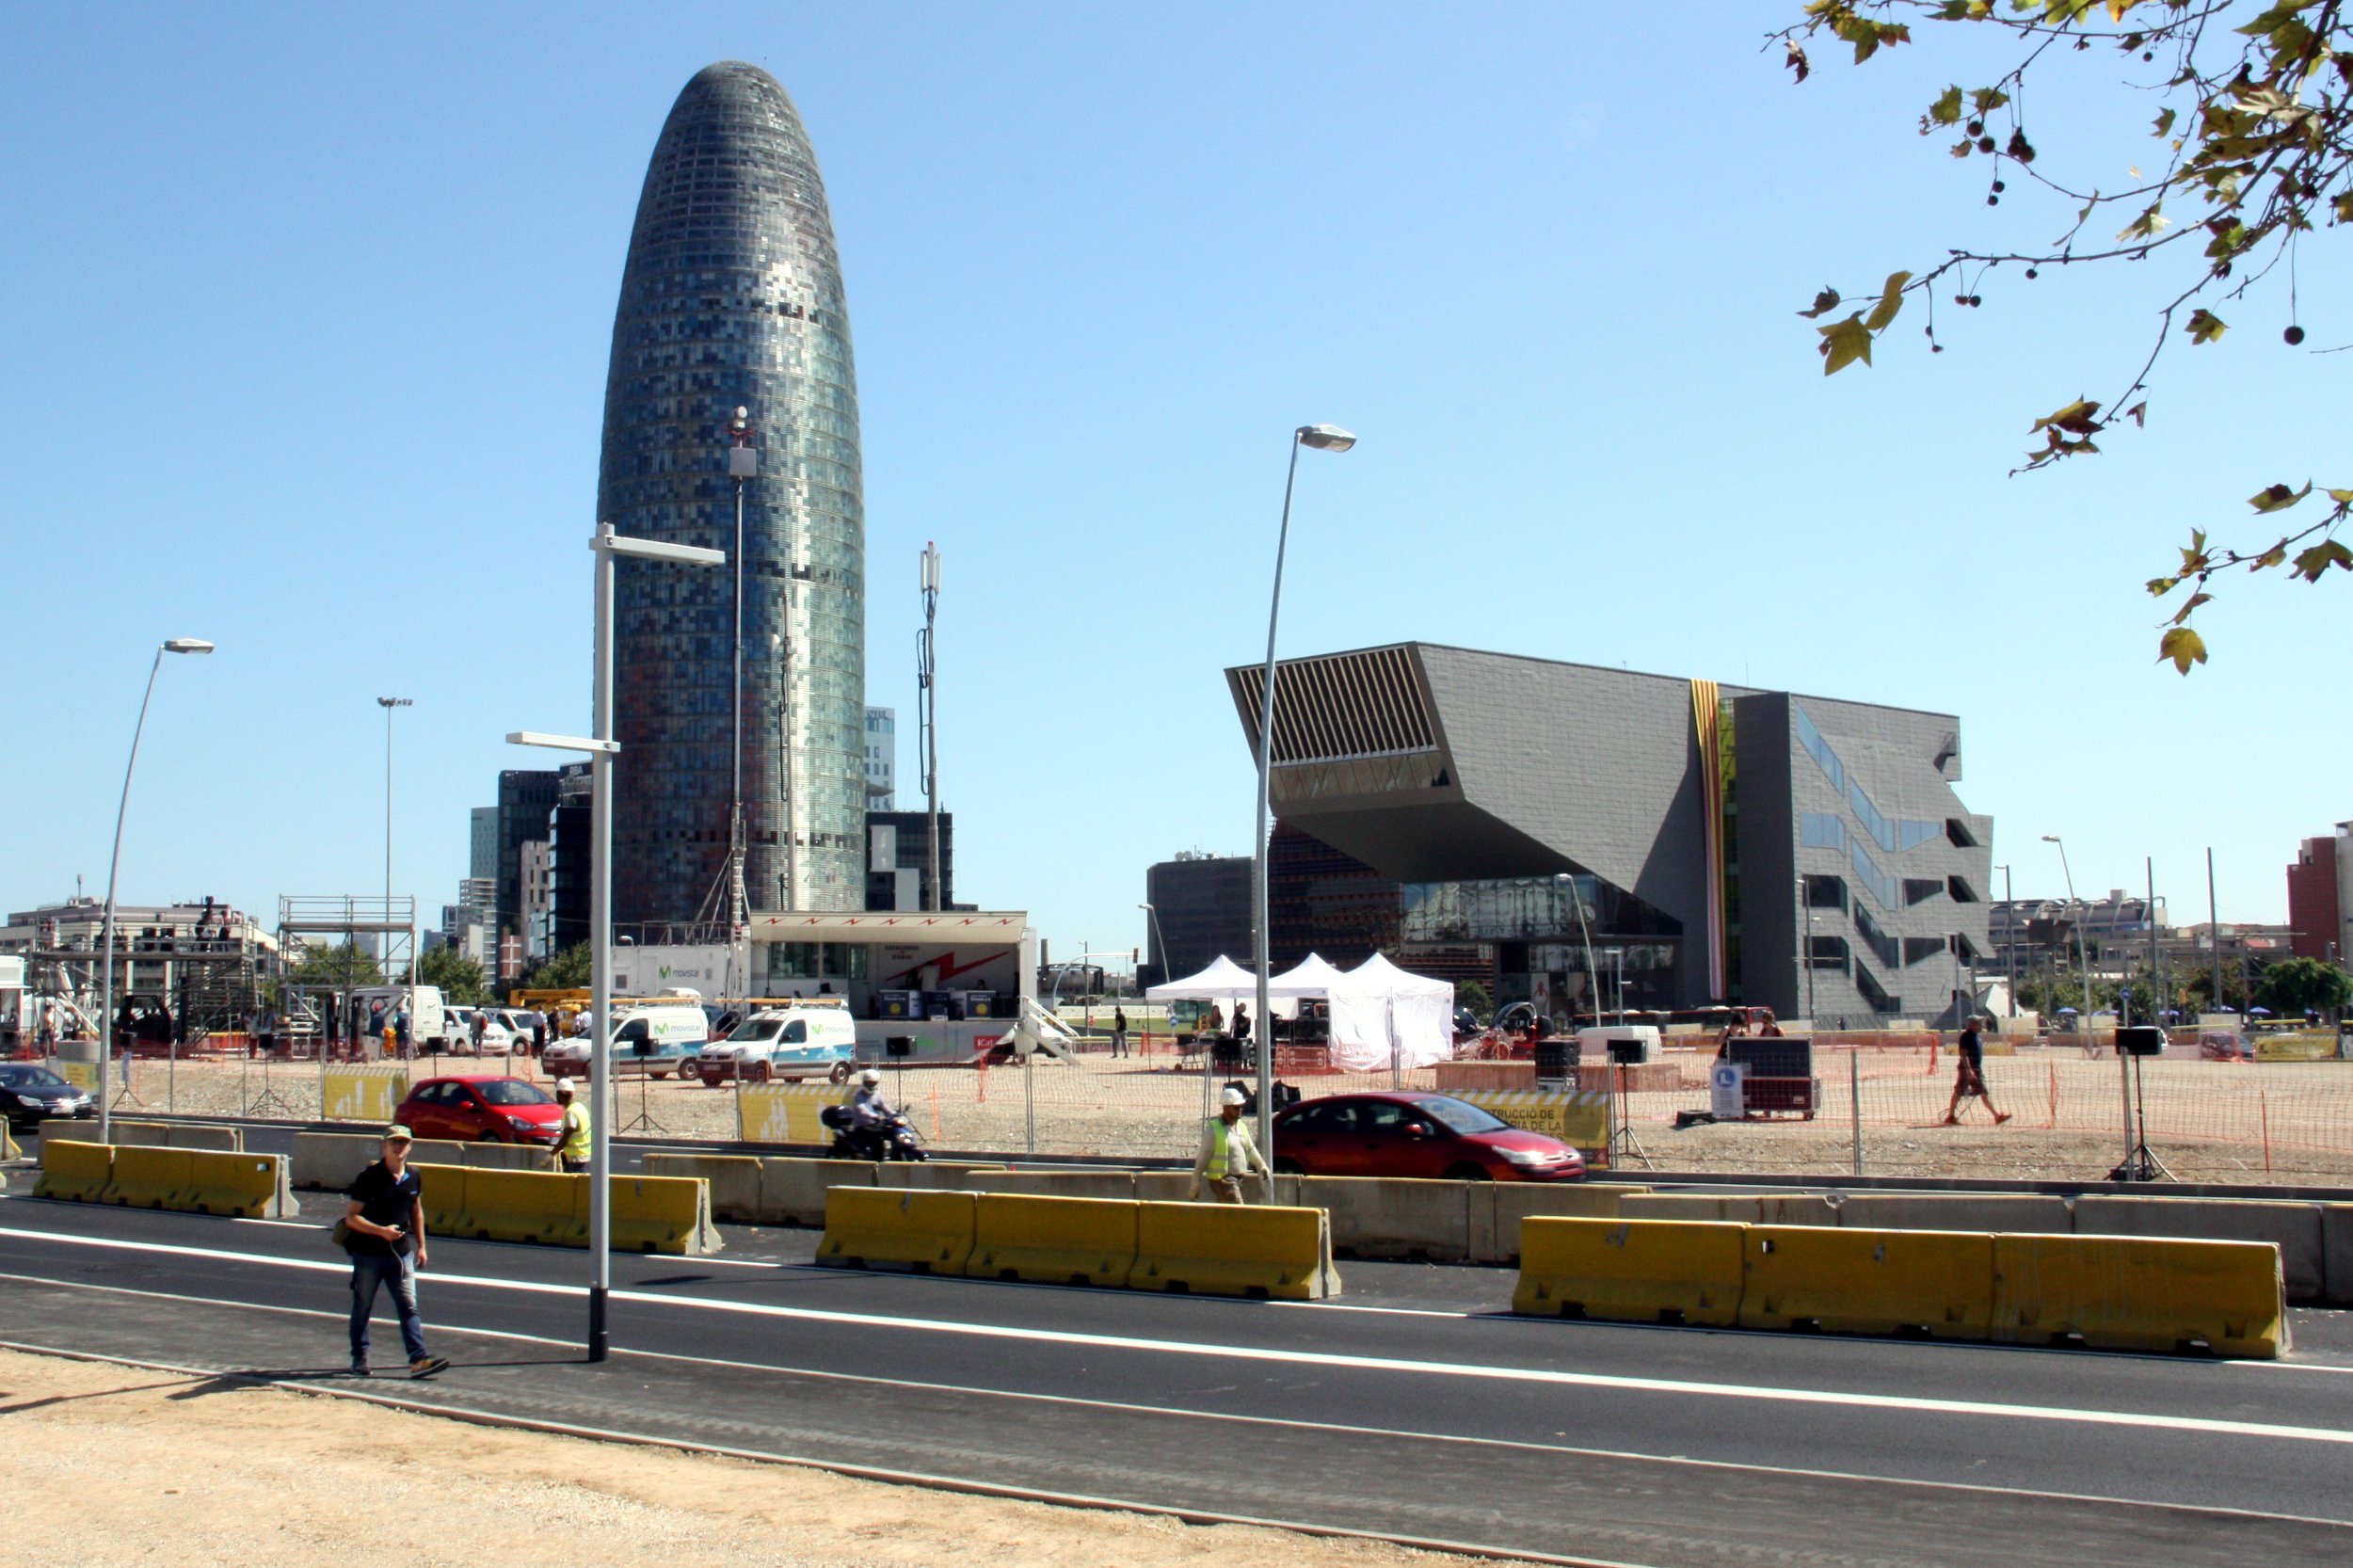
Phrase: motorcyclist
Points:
(870, 1115)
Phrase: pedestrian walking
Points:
(1119, 1031)
(571, 1148)
(1227, 1154)
(1969, 1076)
(383, 1230)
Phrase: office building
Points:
(898, 860)
(732, 297)
(2320, 896)
(1200, 908)
(527, 795)
(1587, 838)
(882, 758)
(482, 860)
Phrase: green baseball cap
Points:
(398, 1135)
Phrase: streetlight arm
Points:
(114, 870)
(1262, 1029)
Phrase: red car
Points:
(481, 1107)
(1415, 1135)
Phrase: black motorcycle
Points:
(895, 1139)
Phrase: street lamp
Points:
(113, 868)
(388, 704)
(1323, 438)
(2082, 953)
(2009, 944)
(601, 748)
(1159, 937)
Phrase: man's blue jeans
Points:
(399, 1275)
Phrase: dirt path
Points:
(110, 1467)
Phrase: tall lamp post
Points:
(602, 748)
(388, 704)
(113, 868)
(1323, 438)
(2009, 944)
(2082, 953)
(1159, 937)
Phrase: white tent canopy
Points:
(1313, 977)
(1221, 982)
(1382, 1015)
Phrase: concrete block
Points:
(203, 1135)
(930, 1175)
(1393, 1217)
(792, 1192)
(733, 1178)
(1636, 1271)
(1497, 1209)
(510, 1157)
(1118, 1186)
(1730, 1209)
(2015, 1213)
(1797, 1208)
(2336, 1245)
(329, 1162)
(2295, 1228)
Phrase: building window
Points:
(1879, 941)
(1920, 950)
(1825, 892)
(1827, 952)
(1873, 992)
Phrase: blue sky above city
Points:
(310, 311)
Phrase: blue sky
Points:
(304, 352)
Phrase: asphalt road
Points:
(1413, 1407)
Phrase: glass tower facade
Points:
(733, 297)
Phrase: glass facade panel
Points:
(1883, 888)
(1892, 834)
(731, 297)
(1820, 830)
(1881, 945)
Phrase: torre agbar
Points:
(732, 297)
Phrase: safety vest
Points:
(575, 1143)
(1221, 1153)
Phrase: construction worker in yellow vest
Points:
(1227, 1154)
(572, 1149)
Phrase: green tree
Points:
(2294, 985)
(1471, 993)
(459, 976)
(340, 967)
(2252, 127)
(568, 971)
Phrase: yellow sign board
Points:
(784, 1113)
(363, 1094)
(1578, 1119)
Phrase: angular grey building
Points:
(733, 297)
(1504, 818)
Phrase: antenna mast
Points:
(927, 693)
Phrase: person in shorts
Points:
(384, 1226)
(1969, 1076)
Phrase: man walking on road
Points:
(1227, 1154)
(1119, 1031)
(572, 1149)
(1969, 1077)
(384, 1226)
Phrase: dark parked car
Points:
(28, 1092)
(482, 1107)
(1415, 1135)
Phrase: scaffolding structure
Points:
(316, 1011)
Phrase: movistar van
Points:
(789, 1042)
(657, 1038)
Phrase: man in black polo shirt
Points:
(385, 1222)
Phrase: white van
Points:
(430, 1029)
(657, 1038)
(789, 1043)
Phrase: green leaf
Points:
(2342, 498)
(2165, 122)
(2183, 647)
(1891, 301)
(2205, 327)
(2311, 563)
(1945, 110)
(2278, 498)
(1844, 342)
(1986, 100)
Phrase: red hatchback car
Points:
(1415, 1135)
(481, 1107)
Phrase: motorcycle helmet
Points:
(869, 1078)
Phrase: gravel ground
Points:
(2279, 1122)
(111, 1467)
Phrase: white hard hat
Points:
(869, 1076)
(563, 1085)
(1234, 1097)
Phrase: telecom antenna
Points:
(927, 693)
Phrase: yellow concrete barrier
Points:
(539, 1207)
(76, 1173)
(928, 1232)
(1216, 1249)
(444, 1195)
(661, 1214)
(1630, 1270)
(250, 1186)
(152, 1177)
(2140, 1293)
(1054, 1241)
(1841, 1281)
(1498, 1207)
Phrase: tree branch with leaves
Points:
(2255, 150)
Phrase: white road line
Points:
(1124, 1407)
(1309, 1358)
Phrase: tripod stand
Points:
(2140, 1161)
(1623, 1144)
(270, 1099)
(643, 1121)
